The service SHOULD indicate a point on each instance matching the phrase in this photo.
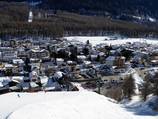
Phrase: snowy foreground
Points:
(63, 105)
(95, 40)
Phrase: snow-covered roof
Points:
(8, 66)
(58, 74)
(4, 81)
(110, 58)
(18, 61)
(87, 62)
(69, 62)
(44, 79)
(81, 57)
(33, 85)
(18, 78)
(60, 60)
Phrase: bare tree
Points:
(146, 87)
(128, 87)
(155, 88)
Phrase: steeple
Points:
(30, 18)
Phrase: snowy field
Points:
(63, 105)
(106, 39)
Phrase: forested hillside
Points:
(14, 17)
(113, 7)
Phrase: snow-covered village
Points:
(78, 59)
(106, 71)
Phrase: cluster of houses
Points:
(34, 64)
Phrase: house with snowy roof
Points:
(38, 53)
(110, 61)
(11, 83)
(7, 54)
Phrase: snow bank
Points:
(62, 105)
(95, 40)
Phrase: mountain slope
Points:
(113, 7)
(14, 22)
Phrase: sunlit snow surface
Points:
(106, 39)
(63, 105)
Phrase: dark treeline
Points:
(33, 29)
(60, 25)
(114, 7)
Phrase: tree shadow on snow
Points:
(142, 109)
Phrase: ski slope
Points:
(63, 105)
